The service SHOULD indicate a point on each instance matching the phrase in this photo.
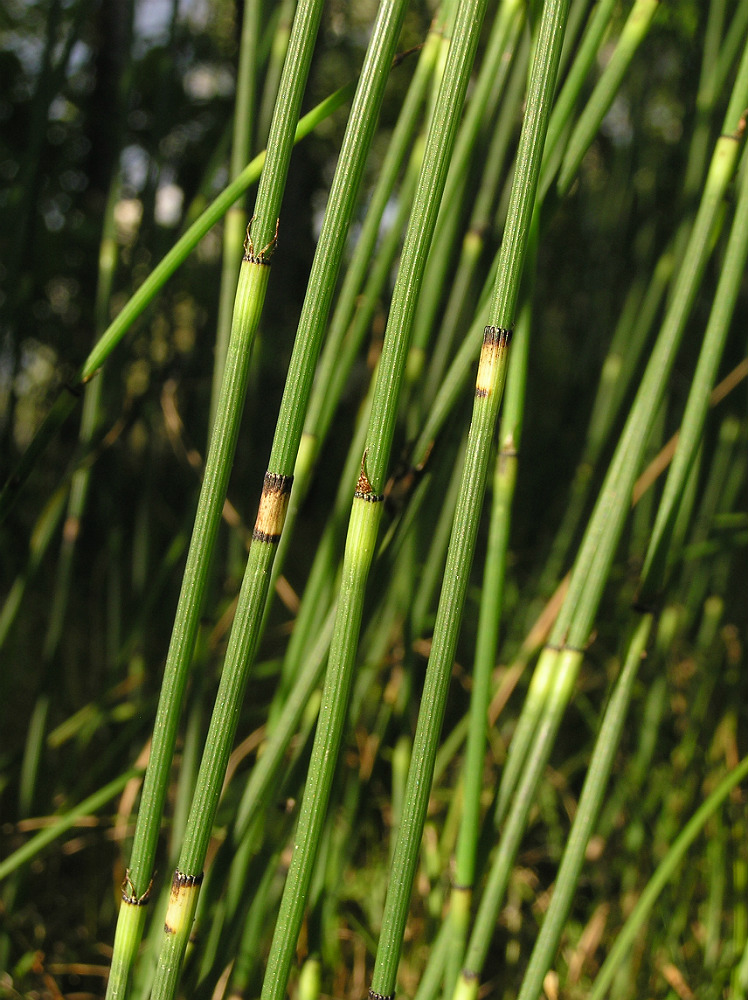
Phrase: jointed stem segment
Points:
(364, 489)
(130, 896)
(182, 901)
(271, 513)
(496, 340)
(260, 256)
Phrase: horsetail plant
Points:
(555, 674)
(608, 739)
(420, 863)
(604, 527)
(253, 280)
(276, 489)
(368, 496)
(252, 285)
(504, 481)
(488, 391)
(635, 323)
(481, 220)
(652, 581)
(348, 324)
(486, 95)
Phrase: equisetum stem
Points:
(246, 629)
(489, 387)
(250, 297)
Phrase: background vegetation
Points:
(116, 132)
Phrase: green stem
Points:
(366, 511)
(566, 670)
(588, 809)
(491, 609)
(277, 484)
(488, 393)
(249, 300)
